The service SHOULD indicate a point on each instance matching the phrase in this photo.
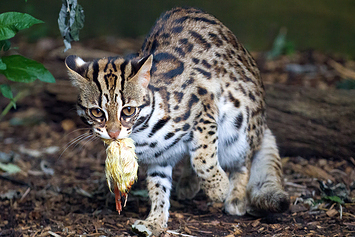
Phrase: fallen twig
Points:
(53, 234)
(176, 233)
(295, 185)
(25, 194)
(341, 211)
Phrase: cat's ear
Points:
(77, 68)
(142, 77)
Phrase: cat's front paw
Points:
(188, 187)
(217, 186)
(147, 228)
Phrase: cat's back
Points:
(193, 47)
(185, 31)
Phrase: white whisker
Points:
(76, 140)
(78, 129)
(92, 139)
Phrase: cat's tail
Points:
(265, 188)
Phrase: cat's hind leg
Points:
(265, 190)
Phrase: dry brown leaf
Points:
(312, 171)
(255, 223)
(218, 204)
(332, 212)
(179, 216)
(319, 173)
(214, 222)
(187, 230)
(237, 231)
(275, 226)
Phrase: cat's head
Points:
(111, 92)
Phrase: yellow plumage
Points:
(121, 167)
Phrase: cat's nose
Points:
(114, 134)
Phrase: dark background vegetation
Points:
(325, 25)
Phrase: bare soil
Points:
(61, 189)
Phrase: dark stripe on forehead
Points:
(106, 66)
(115, 99)
(106, 81)
(95, 73)
(122, 99)
(95, 70)
(112, 60)
(115, 81)
(123, 69)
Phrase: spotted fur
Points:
(197, 95)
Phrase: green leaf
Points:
(334, 199)
(2, 65)
(21, 69)
(6, 91)
(5, 45)
(9, 168)
(12, 22)
(278, 45)
(13, 103)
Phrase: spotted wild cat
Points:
(192, 92)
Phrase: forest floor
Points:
(60, 189)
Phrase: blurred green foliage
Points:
(16, 67)
(325, 25)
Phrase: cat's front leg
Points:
(204, 160)
(159, 182)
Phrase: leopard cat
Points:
(192, 93)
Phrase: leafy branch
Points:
(16, 67)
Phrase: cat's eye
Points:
(128, 111)
(97, 113)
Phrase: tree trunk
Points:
(310, 122)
